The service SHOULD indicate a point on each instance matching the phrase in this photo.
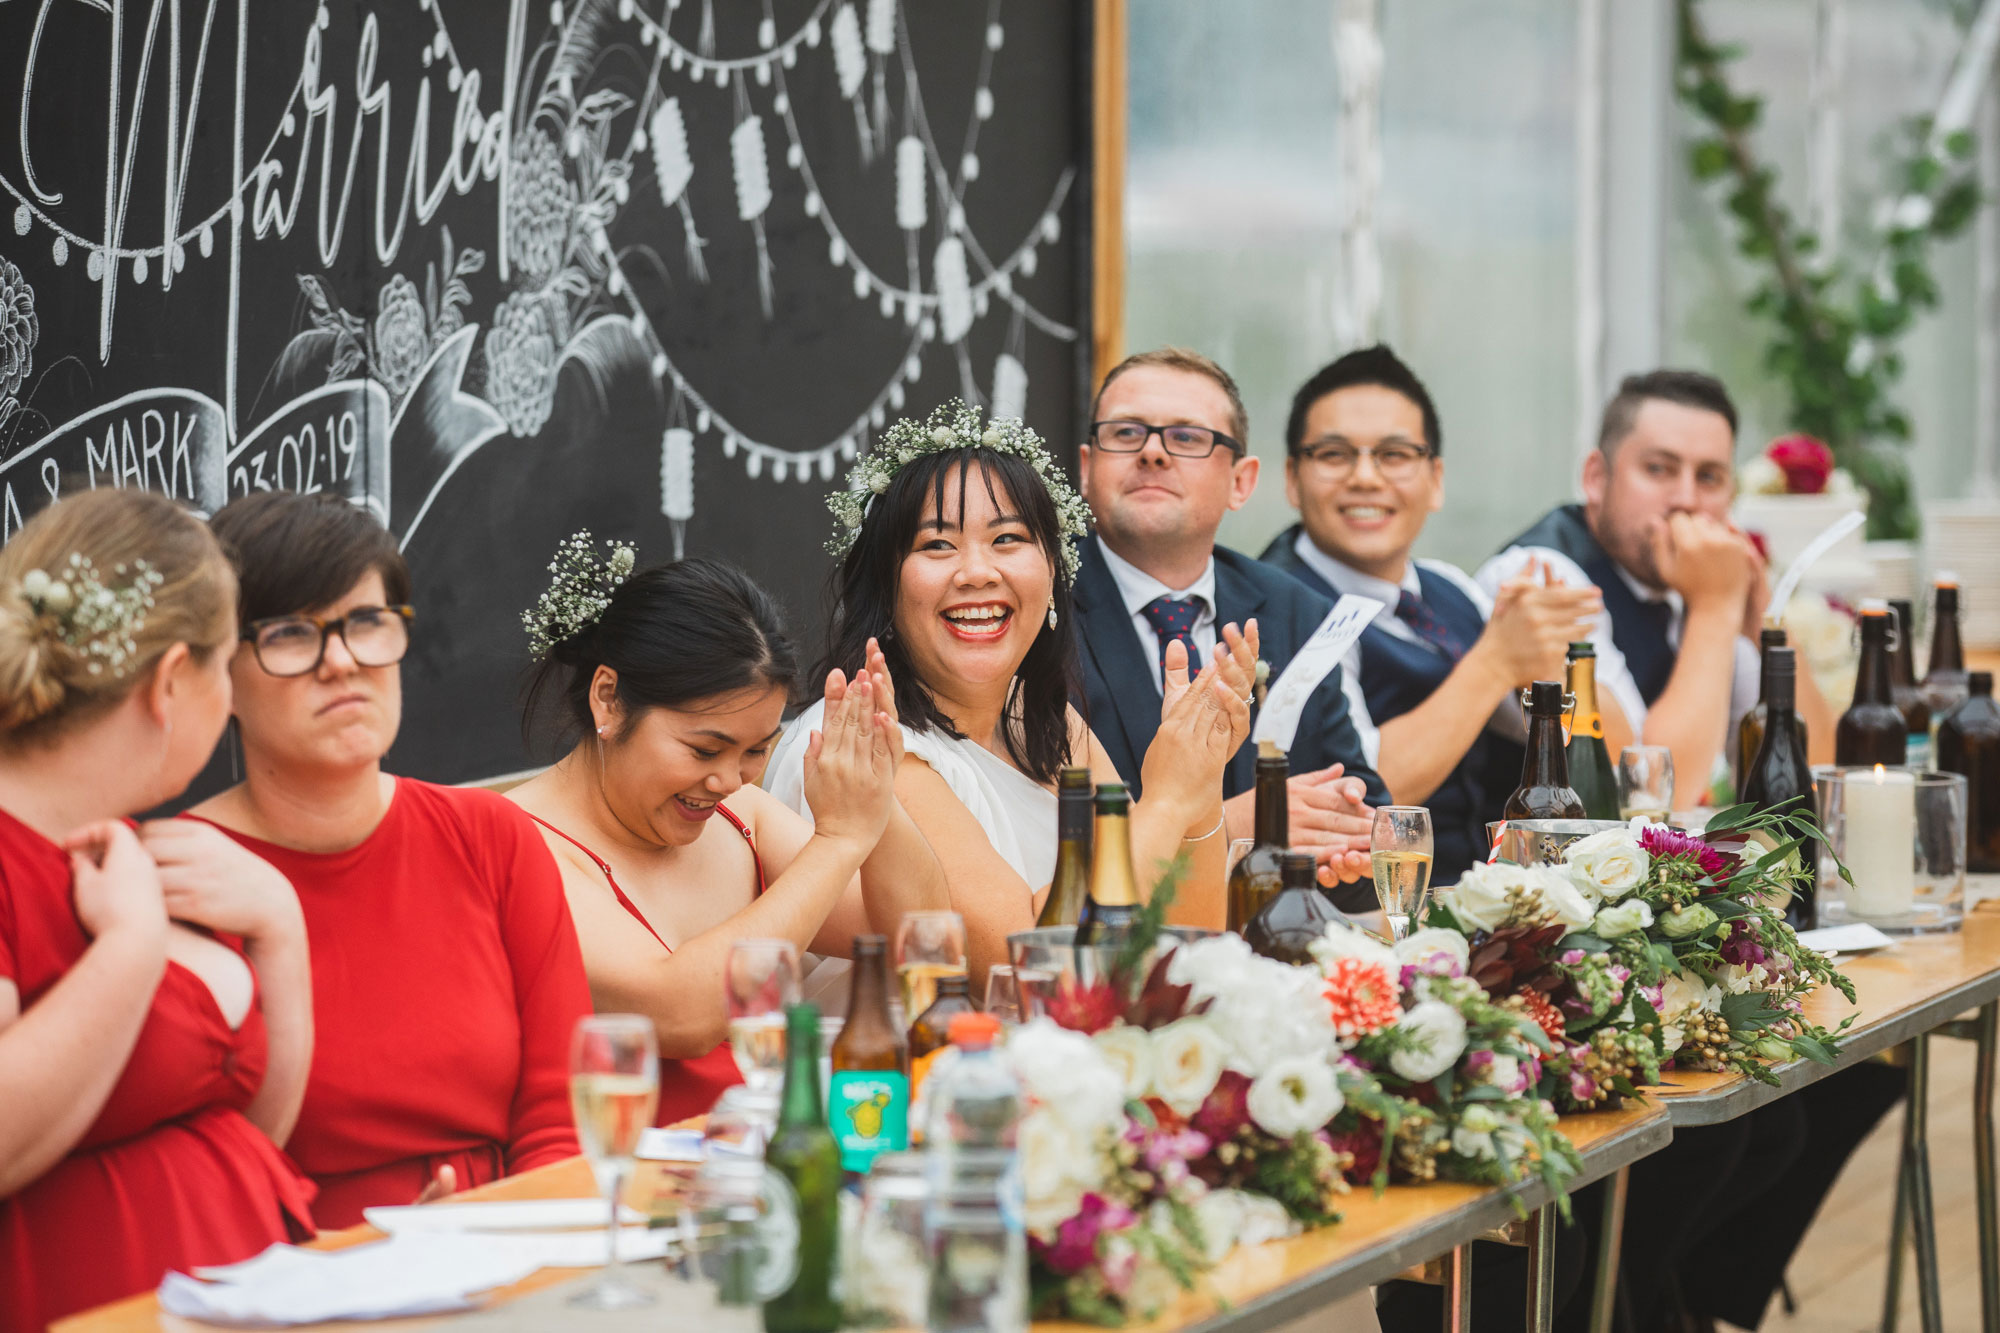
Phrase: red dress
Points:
(171, 1175)
(446, 984)
(687, 1087)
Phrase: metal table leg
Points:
(1610, 1245)
(1456, 1271)
(1892, 1289)
(1987, 1031)
(1541, 1309)
(1917, 1169)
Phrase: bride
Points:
(955, 581)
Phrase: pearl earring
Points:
(601, 731)
(1052, 615)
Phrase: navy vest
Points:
(1639, 628)
(1397, 675)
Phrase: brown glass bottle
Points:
(1071, 886)
(868, 1096)
(1904, 691)
(1944, 684)
(1968, 742)
(1750, 729)
(1114, 891)
(931, 1032)
(1286, 926)
(1780, 778)
(1254, 880)
(1871, 731)
(1545, 792)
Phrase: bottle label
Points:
(1919, 751)
(869, 1112)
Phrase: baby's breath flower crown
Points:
(94, 619)
(581, 590)
(954, 425)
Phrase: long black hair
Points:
(865, 584)
(676, 634)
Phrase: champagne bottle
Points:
(1114, 891)
(1750, 728)
(1968, 743)
(931, 1032)
(1544, 792)
(1945, 683)
(1904, 691)
(1071, 885)
(1871, 731)
(1590, 771)
(1254, 880)
(1286, 926)
(1780, 778)
(802, 1152)
(868, 1094)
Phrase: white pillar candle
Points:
(1880, 847)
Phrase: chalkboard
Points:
(501, 271)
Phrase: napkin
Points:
(670, 1145)
(511, 1215)
(1854, 937)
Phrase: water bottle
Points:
(978, 1246)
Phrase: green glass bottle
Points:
(1590, 771)
(803, 1153)
(1070, 888)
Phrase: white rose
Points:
(1609, 864)
(1479, 900)
(1188, 1058)
(1228, 1218)
(1436, 1036)
(1058, 1167)
(1344, 941)
(1623, 919)
(1265, 1011)
(1294, 1097)
(1419, 947)
(1066, 1072)
(1561, 899)
(1503, 1071)
(1129, 1050)
(1760, 476)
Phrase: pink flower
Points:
(1075, 1247)
(1227, 1108)
(1666, 843)
(1363, 1143)
(1361, 996)
(1805, 461)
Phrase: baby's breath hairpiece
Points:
(96, 620)
(954, 426)
(581, 590)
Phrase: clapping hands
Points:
(850, 762)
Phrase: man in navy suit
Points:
(1164, 463)
(1436, 673)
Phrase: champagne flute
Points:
(1646, 782)
(929, 945)
(614, 1087)
(762, 978)
(1400, 846)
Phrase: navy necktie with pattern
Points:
(1410, 609)
(1173, 618)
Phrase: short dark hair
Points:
(295, 552)
(676, 634)
(1368, 365)
(1689, 388)
(1192, 363)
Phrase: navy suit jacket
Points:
(1123, 704)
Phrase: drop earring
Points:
(1052, 615)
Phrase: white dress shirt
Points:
(1137, 588)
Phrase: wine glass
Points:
(1238, 849)
(1646, 782)
(614, 1087)
(929, 945)
(1003, 993)
(762, 978)
(1400, 846)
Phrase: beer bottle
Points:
(931, 1032)
(1944, 684)
(1750, 727)
(1590, 771)
(803, 1154)
(1286, 926)
(1114, 892)
(868, 1094)
(1871, 731)
(1968, 742)
(1071, 885)
(1780, 778)
(1544, 792)
(1253, 881)
(1904, 691)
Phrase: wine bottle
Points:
(1071, 885)
(803, 1153)
(1254, 880)
(1968, 743)
(1286, 926)
(1114, 891)
(1904, 691)
(1945, 683)
(1750, 728)
(868, 1094)
(1590, 771)
(931, 1032)
(1871, 731)
(1544, 792)
(1780, 778)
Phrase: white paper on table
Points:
(1853, 937)
(588, 1249)
(1285, 701)
(413, 1274)
(511, 1215)
(670, 1145)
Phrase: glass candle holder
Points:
(1901, 835)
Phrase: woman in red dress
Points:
(673, 689)
(446, 977)
(155, 1011)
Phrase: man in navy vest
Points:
(1165, 461)
(1439, 668)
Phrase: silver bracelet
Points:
(1212, 832)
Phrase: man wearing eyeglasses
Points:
(1434, 675)
(1164, 462)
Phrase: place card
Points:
(1854, 937)
(1285, 703)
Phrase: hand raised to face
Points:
(850, 764)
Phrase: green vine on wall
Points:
(1834, 335)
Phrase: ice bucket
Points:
(1052, 952)
(1535, 842)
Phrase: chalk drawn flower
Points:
(401, 340)
(18, 329)
(541, 203)
(521, 362)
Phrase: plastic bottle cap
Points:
(973, 1030)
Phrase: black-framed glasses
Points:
(1129, 437)
(1396, 460)
(376, 636)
